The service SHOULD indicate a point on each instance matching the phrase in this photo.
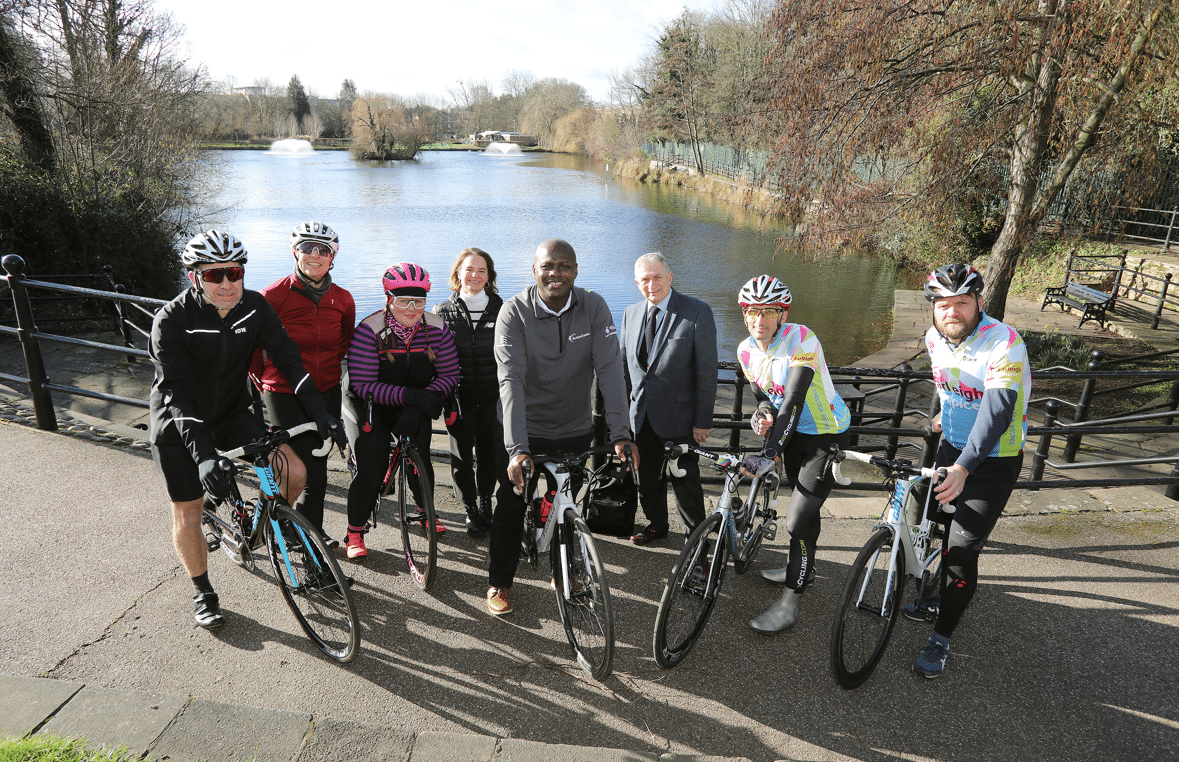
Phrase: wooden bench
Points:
(1091, 303)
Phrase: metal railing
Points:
(891, 423)
(1144, 224)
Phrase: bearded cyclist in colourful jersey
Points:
(801, 415)
(983, 378)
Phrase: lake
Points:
(427, 211)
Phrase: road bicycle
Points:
(311, 582)
(898, 548)
(418, 523)
(554, 521)
(734, 530)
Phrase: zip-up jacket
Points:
(373, 342)
(201, 361)
(475, 343)
(323, 332)
(547, 365)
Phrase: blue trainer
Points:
(924, 610)
(932, 659)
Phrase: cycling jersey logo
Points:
(576, 336)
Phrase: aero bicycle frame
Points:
(738, 514)
(914, 539)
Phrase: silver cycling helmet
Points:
(764, 291)
(213, 247)
(953, 280)
(316, 232)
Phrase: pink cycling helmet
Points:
(406, 275)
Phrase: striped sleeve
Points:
(446, 362)
(363, 364)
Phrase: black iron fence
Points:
(1129, 285)
(890, 409)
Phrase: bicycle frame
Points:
(912, 539)
(735, 525)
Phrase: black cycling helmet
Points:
(953, 280)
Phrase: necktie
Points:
(649, 335)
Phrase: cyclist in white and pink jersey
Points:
(983, 378)
(801, 415)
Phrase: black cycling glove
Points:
(430, 403)
(215, 476)
(329, 429)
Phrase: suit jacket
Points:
(678, 389)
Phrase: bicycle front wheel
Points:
(585, 611)
(690, 593)
(753, 535)
(867, 610)
(419, 536)
(312, 584)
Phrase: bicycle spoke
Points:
(586, 611)
(418, 536)
(867, 610)
(313, 585)
(690, 593)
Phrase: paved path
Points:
(1069, 651)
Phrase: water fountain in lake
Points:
(291, 146)
(503, 149)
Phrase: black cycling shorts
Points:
(179, 470)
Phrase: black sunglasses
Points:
(221, 273)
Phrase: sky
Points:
(420, 48)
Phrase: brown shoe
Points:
(499, 601)
(648, 535)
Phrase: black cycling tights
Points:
(804, 466)
(978, 509)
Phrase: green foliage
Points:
(59, 235)
(52, 749)
(1049, 350)
(298, 104)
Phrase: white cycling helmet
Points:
(317, 232)
(953, 280)
(764, 291)
(213, 247)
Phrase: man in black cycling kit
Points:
(983, 378)
(201, 345)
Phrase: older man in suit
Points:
(669, 346)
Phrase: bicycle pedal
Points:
(213, 541)
(769, 530)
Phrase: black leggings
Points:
(371, 451)
(977, 511)
(804, 467)
(285, 411)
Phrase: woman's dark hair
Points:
(456, 285)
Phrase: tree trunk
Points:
(1037, 87)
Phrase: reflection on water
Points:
(428, 211)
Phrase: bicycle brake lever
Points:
(673, 460)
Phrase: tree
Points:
(879, 110)
(547, 101)
(677, 100)
(386, 127)
(119, 177)
(298, 105)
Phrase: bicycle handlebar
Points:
(892, 467)
(672, 453)
(272, 440)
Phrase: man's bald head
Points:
(556, 247)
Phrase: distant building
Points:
(503, 136)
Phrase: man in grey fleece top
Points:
(550, 341)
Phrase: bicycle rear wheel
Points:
(867, 610)
(419, 537)
(690, 593)
(312, 584)
(586, 613)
